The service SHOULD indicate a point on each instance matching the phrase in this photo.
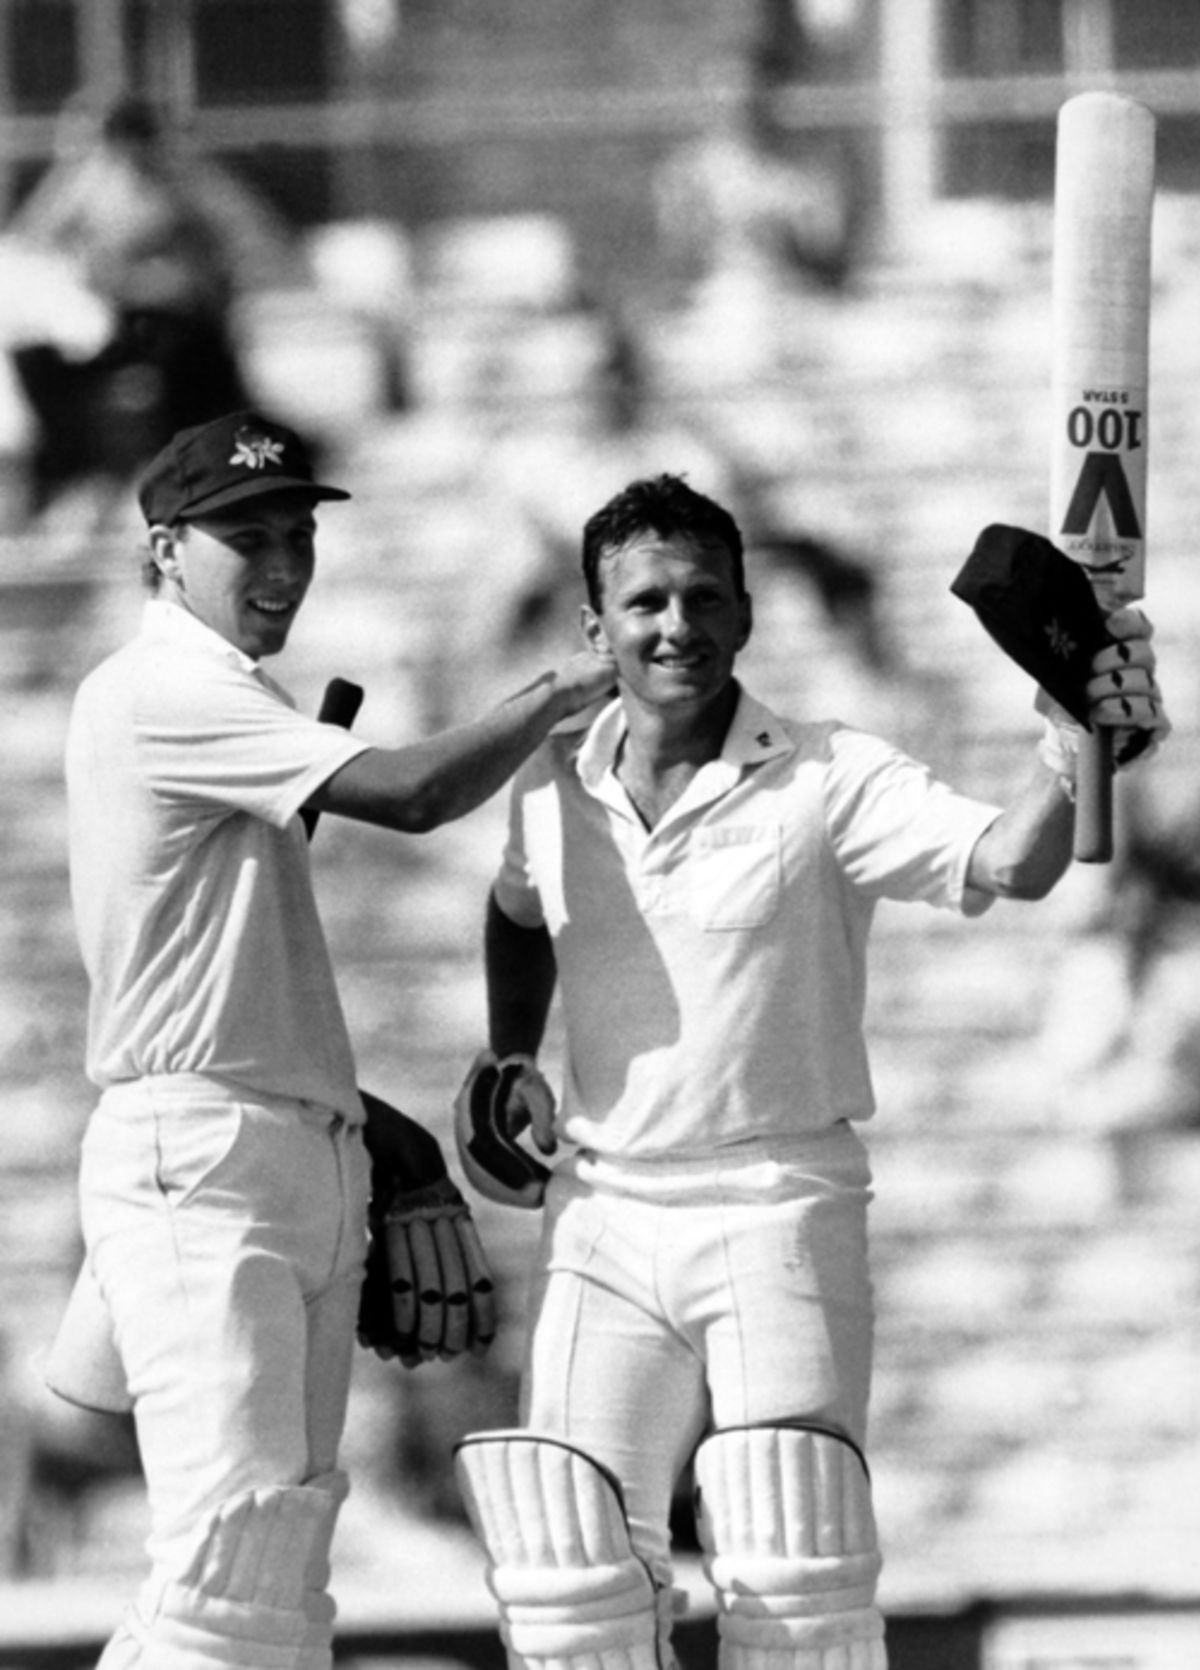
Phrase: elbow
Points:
(1027, 881)
(1030, 890)
(416, 804)
(1021, 864)
(420, 813)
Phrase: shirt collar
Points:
(754, 735)
(169, 623)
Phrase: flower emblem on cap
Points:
(1060, 640)
(255, 450)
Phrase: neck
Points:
(663, 751)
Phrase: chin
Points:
(268, 641)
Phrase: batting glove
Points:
(1123, 696)
(500, 1099)
(428, 1292)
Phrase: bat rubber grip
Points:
(339, 706)
(1094, 798)
(340, 703)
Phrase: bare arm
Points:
(420, 786)
(1028, 847)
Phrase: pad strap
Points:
(789, 1539)
(253, 1595)
(562, 1564)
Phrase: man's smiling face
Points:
(673, 618)
(245, 571)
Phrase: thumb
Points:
(539, 1101)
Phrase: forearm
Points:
(1028, 847)
(425, 784)
(521, 976)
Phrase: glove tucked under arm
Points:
(427, 1292)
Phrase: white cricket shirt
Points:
(186, 768)
(713, 970)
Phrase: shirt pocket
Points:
(735, 873)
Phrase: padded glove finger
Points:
(456, 1335)
(481, 1287)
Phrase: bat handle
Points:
(1094, 798)
(339, 706)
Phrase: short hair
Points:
(664, 505)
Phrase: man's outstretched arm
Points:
(1026, 850)
(425, 784)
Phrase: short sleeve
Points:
(229, 740)
(514, 888)
(896, 830)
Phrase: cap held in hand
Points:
(1040, 608)
(232, 459)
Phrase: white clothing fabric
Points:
(713, 969)
(186, 769)
(670, 1298)
(227, 1233)
(224, 1181)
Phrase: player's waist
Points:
(755, 1167)
(183, 1090)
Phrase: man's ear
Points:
(164, 550)
(747, 611)
(593, 630)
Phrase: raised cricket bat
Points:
(1103, 203)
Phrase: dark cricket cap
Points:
(231, 459)
(1040, 608)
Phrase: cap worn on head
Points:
(227, 461)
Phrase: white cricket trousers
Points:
(676, 1296)
(227, 1233)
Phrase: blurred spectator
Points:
(730, 203)
(1122, 1029)
(155, 246)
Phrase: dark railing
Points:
(945, 102)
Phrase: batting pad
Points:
(573, 1593)
(790, 1545)
(253, 1595)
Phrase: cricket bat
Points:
(1103, 205)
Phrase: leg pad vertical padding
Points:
(573, 1593)
(790, 1545)
(254, 1592)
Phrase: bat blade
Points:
(1103, 207)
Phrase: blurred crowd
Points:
(118, 276)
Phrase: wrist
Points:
(1058, 750)
(513, 1057)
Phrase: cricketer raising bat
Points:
(82, 1365)
(1103, 203)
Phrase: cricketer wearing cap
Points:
(224, 1179)
(699, 875)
